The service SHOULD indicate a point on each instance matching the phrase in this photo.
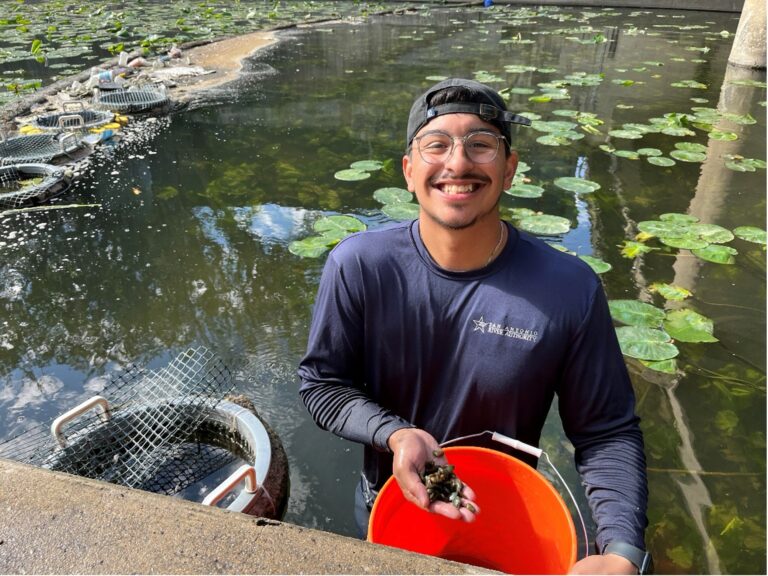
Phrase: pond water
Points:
(188, 241)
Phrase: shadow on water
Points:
(189, 244)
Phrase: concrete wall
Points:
(700, 5)
(54, 523)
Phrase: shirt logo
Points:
(500, 330)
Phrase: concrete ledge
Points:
(55, 523)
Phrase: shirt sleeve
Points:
(597, 407)
(332, 372)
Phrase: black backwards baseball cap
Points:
(485, 103)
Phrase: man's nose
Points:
(459, 155)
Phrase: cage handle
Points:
(246, 472)
(63, 141)
(93, 402)
(75, 121)
(76, 105)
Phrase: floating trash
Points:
(31, 184)
(38, 148)
(74, 117)
(163, 431)
(132, 100)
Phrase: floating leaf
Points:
(553, 140)
(743, 119)
(636, 313)
(392, 195)
(741, 164)
(726, 420)
(688, 326)
(660, 228)
(401, 211)
(649, 152)
(632, 249)
(687, 156)
(665, 366)
(670, 291)
(717, 254)
(311, 247)
(691, 147)
(626, 134)
(630, 154)
(351, 175)
(751, 234)
(679, 218)
(599, 266)
(689, 84)
(525, 191)
(661, 161)
(686, 242)
(338, 224)
(645, 343)
(367, 165)
(712, 233)
(577, 185)
(544, 224)
(723, 135)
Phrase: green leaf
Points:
(645, 343)
(401, 211)
(691, 147)
(679, 218)
(311, 247)
(726, 420)
(599, 266)
(688, 326)
(649, 152)
(37, 45)
(685, 242)
(338, 224)
(670, 291)
(712, 233)
(544, 224)
(660, 161)
(577, 185)
(717, 254)
(636, 313)
(525, 191)
(392, 195)
(367, 165)
(660, 228)
(351, 175)
(666, 366)
(632, 249)
(627, 134)
(751, 234)
(723, 135)
(687, 156)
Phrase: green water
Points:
(189, 244)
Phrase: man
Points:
(458, 323)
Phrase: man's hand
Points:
(605, 564)
(412, 448)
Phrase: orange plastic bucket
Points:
(524, 526)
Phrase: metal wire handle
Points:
(537, 453)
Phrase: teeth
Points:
(455, 189)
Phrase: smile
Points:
(454, 189)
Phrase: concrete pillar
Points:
(748, 48)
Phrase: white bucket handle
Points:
(537, 453)
(93, 402)
(246, 472)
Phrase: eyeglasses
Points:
(438, 147)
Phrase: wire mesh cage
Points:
(74, 117)
(141, 432)
(38, 148)
(133, 100)
(29, 184)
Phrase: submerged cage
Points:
(31, 184)
(163, 432)
(38, 148)
(133, 100)
(74, 117)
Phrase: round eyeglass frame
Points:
(430, 159)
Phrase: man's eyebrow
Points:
(470, 131)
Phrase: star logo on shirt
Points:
(480, 325)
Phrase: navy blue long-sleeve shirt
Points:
(397, 341)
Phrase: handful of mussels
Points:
(442, 484)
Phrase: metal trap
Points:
(74, 117)
(30, 184)
(133, 100)
(38, 148)
(142, 432)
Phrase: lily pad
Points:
(712, 233)
(723, 135)
(687, 156)
(751, 234)
(553, 140)
(311, 247)
(636, 313)
(598, 266)
(679, 218)
(660, 228)
(685, 242)
(691, 147)
(544, 224)
(338, 224)
(661, 161)
(401, 211)
(525, 191)
(741, 164)
(630, 154)
(392, 195)
(577, 185)
(670, 291)
(626, 134)
(646, 343)
(367, 165)
(688, 326)
(649, 152)
(631, 249)
(717, 254)
(665, 366)
(351, 175)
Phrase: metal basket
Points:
(134, 100)
(38, 148)
(74, 117)
(31, 184)
(140, 431)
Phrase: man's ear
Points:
(407, 167)
(509, 169)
